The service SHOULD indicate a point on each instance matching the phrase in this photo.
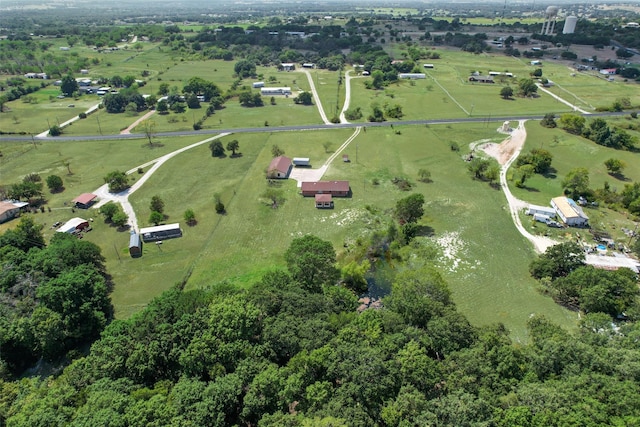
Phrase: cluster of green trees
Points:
(114, 214)
(597, 130)
(293, 351)
(53, 298)
(572, 283)
(218, 150)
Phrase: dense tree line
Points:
(293, 351)
(53, 298)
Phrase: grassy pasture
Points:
(467, 216)
(326, 83)
(590, 91)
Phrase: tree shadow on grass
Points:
(551, 173)
(235, 156)
(620, 177)
(529, 189)
(425, 231)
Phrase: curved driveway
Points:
(123, 197)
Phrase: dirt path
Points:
(347, 96)
(506, 153)
(137, 122)
(123, 197)
(68, 122)
(553, 95)
(316, 98)
(314, 175)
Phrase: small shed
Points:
(288, 66)
(279, 168)
(301, 161)
(258, 84)
(428, 66)
(309, 65)
(135, 245)
(345, 158)
(73, 225)
(85, 200)
(324, 201)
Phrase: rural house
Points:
(569, 212)
(73, 225)
(8, 211)
(481, 79)
(267, 91)
(279, 168)
(334, 188)
(412, 76)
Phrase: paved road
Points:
(478, 119)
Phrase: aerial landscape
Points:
(361, 213)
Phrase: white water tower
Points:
(550, 16)
(570, 25)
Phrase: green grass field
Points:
(467, 217)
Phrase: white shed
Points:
(301, 161)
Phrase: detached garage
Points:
(73, 225)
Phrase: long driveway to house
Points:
(123, 197)
(506, 153)
(316, 98)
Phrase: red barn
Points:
(335, 188)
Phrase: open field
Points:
(467, 217)
(332, 97)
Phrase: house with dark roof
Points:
(334, 188)
(279, 168)
(84, 201)
(481, 79)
